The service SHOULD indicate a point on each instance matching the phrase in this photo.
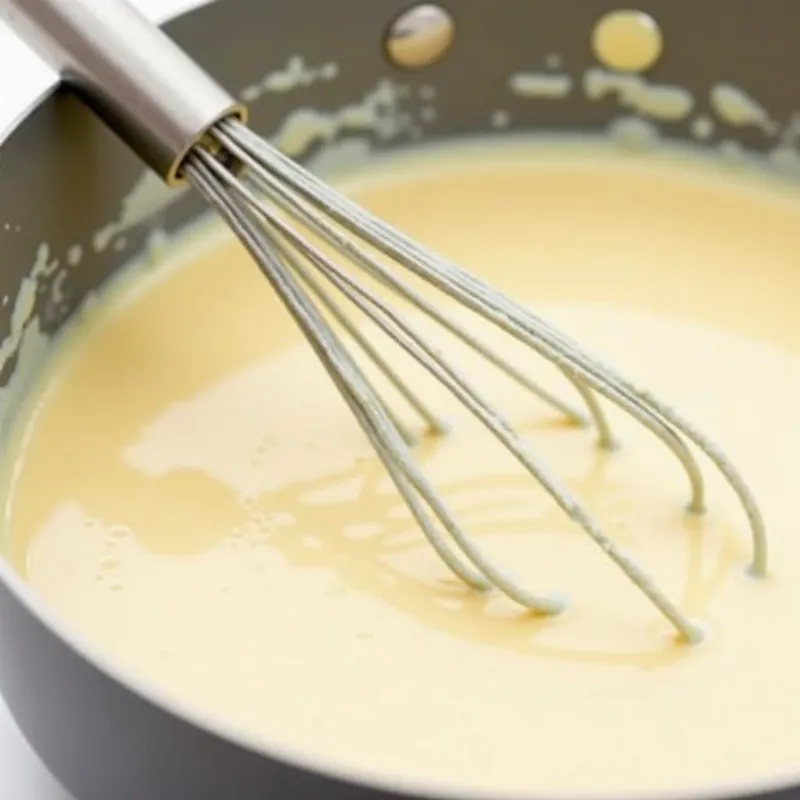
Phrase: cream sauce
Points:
(627, 41)
(540, 84)
(190, 491)
(735, 107)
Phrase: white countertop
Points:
(24, 77)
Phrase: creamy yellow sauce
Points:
(190, 492)
(627, 41)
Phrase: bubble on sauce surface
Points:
(627, 41)
(118, 533)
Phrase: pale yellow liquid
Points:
(627, 41)
(192, 494)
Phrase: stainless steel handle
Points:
(129, 71)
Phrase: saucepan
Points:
(64, 179)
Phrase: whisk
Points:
(188, 129)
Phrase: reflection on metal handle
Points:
(130, 72)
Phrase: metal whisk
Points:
(187, 128)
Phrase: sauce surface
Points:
(190, 491)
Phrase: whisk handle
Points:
(129, 71)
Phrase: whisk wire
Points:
(365, 406)
(404, 335)
(516, 320)
(259, 174)
(435, 424)
(400, 331)
(351, 381)
(275, 188)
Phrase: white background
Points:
(22, 78)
